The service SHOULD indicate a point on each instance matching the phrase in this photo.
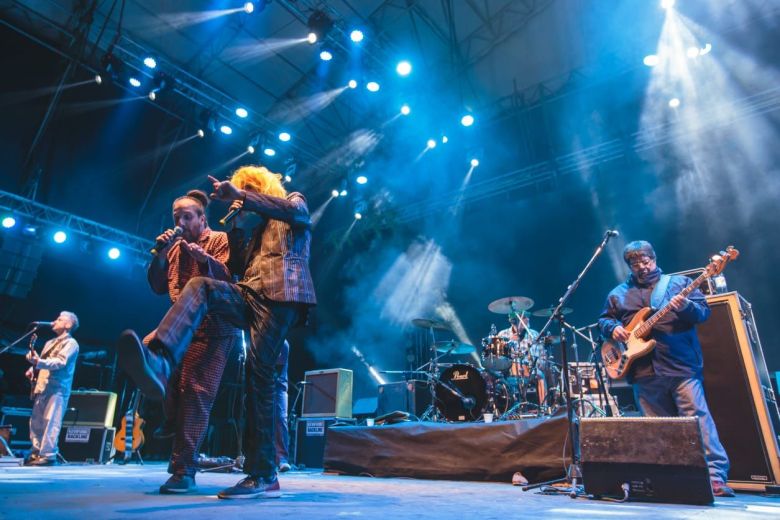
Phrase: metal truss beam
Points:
(46, 215)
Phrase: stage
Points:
(86, 491)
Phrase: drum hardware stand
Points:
(574, 471)
(431, 413)
(292, 421)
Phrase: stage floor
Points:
(112, 491)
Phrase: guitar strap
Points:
(659, 291)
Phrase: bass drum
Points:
(473, 384)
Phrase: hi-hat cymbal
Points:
(454, 347)
(510, 304)
(427, 323)
(547, 312)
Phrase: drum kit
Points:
(517, 375)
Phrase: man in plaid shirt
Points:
(275, 293)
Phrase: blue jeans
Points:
(662, 396)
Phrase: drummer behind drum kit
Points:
(517, 377)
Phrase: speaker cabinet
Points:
(90, 408)
(18, 421)
(93, 444)
(407, 396)
(310, 435)
(739, 392)
(660, 459)
(327, 393)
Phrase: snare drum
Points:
(496, 353)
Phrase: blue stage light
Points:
(372, 86)
(343, 193)
(358, 216)
(356, 36)
(287, 178)
(284, 136)
(134, 82)
(467, 120)
(225, 129)
(361, 179)
(475, 162)
(352, 83)
(150, 62)
(404, 68)
(444, 139)
(651, 60)
(241, 112)
(249, 7)
(405, 110)
(431, 143)
(60, 237)
(114, 253)
(326, 55)
(9, 222)
(270, 152)
(250, 149)
(334, 193)
(312, 38)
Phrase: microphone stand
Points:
(574, 471)
(19, 340)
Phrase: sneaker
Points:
(253, 487)
(178, 484)
(721, 489)
(284, 467)
(148, 370)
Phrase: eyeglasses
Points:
(636, 264)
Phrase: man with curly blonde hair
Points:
(274, 293)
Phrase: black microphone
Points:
(469, 402)
(233, 213)
(613, 233)
(160, 244)
(41, 324)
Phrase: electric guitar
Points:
(34, 372)
(618, 356)
(130, 436)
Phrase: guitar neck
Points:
(663, 311)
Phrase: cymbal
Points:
(454, 347)
(510, 303)
(547, 312)
(426, 323)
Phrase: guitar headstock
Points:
(33, 339)
(718, 262)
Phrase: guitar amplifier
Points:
(90, 408)
(660, 459)
(412, 397)
(327, 393)
(93, 444)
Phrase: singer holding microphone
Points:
(190, 249)
(274, 293)
(54, 369)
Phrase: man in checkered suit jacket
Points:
(275, 293)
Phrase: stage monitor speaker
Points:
(327, 393)
(90, 408)
(412, 397)
(739, 392)
(660, 459)
(93, 444)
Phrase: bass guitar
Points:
(130, 436)
(618, 357)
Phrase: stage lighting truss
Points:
(38, 218)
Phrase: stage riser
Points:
(469, 451)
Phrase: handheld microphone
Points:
(233, 213)
(613, 233)
(39, 324)
(160, 244)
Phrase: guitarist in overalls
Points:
(667, 382)
(55, 368)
